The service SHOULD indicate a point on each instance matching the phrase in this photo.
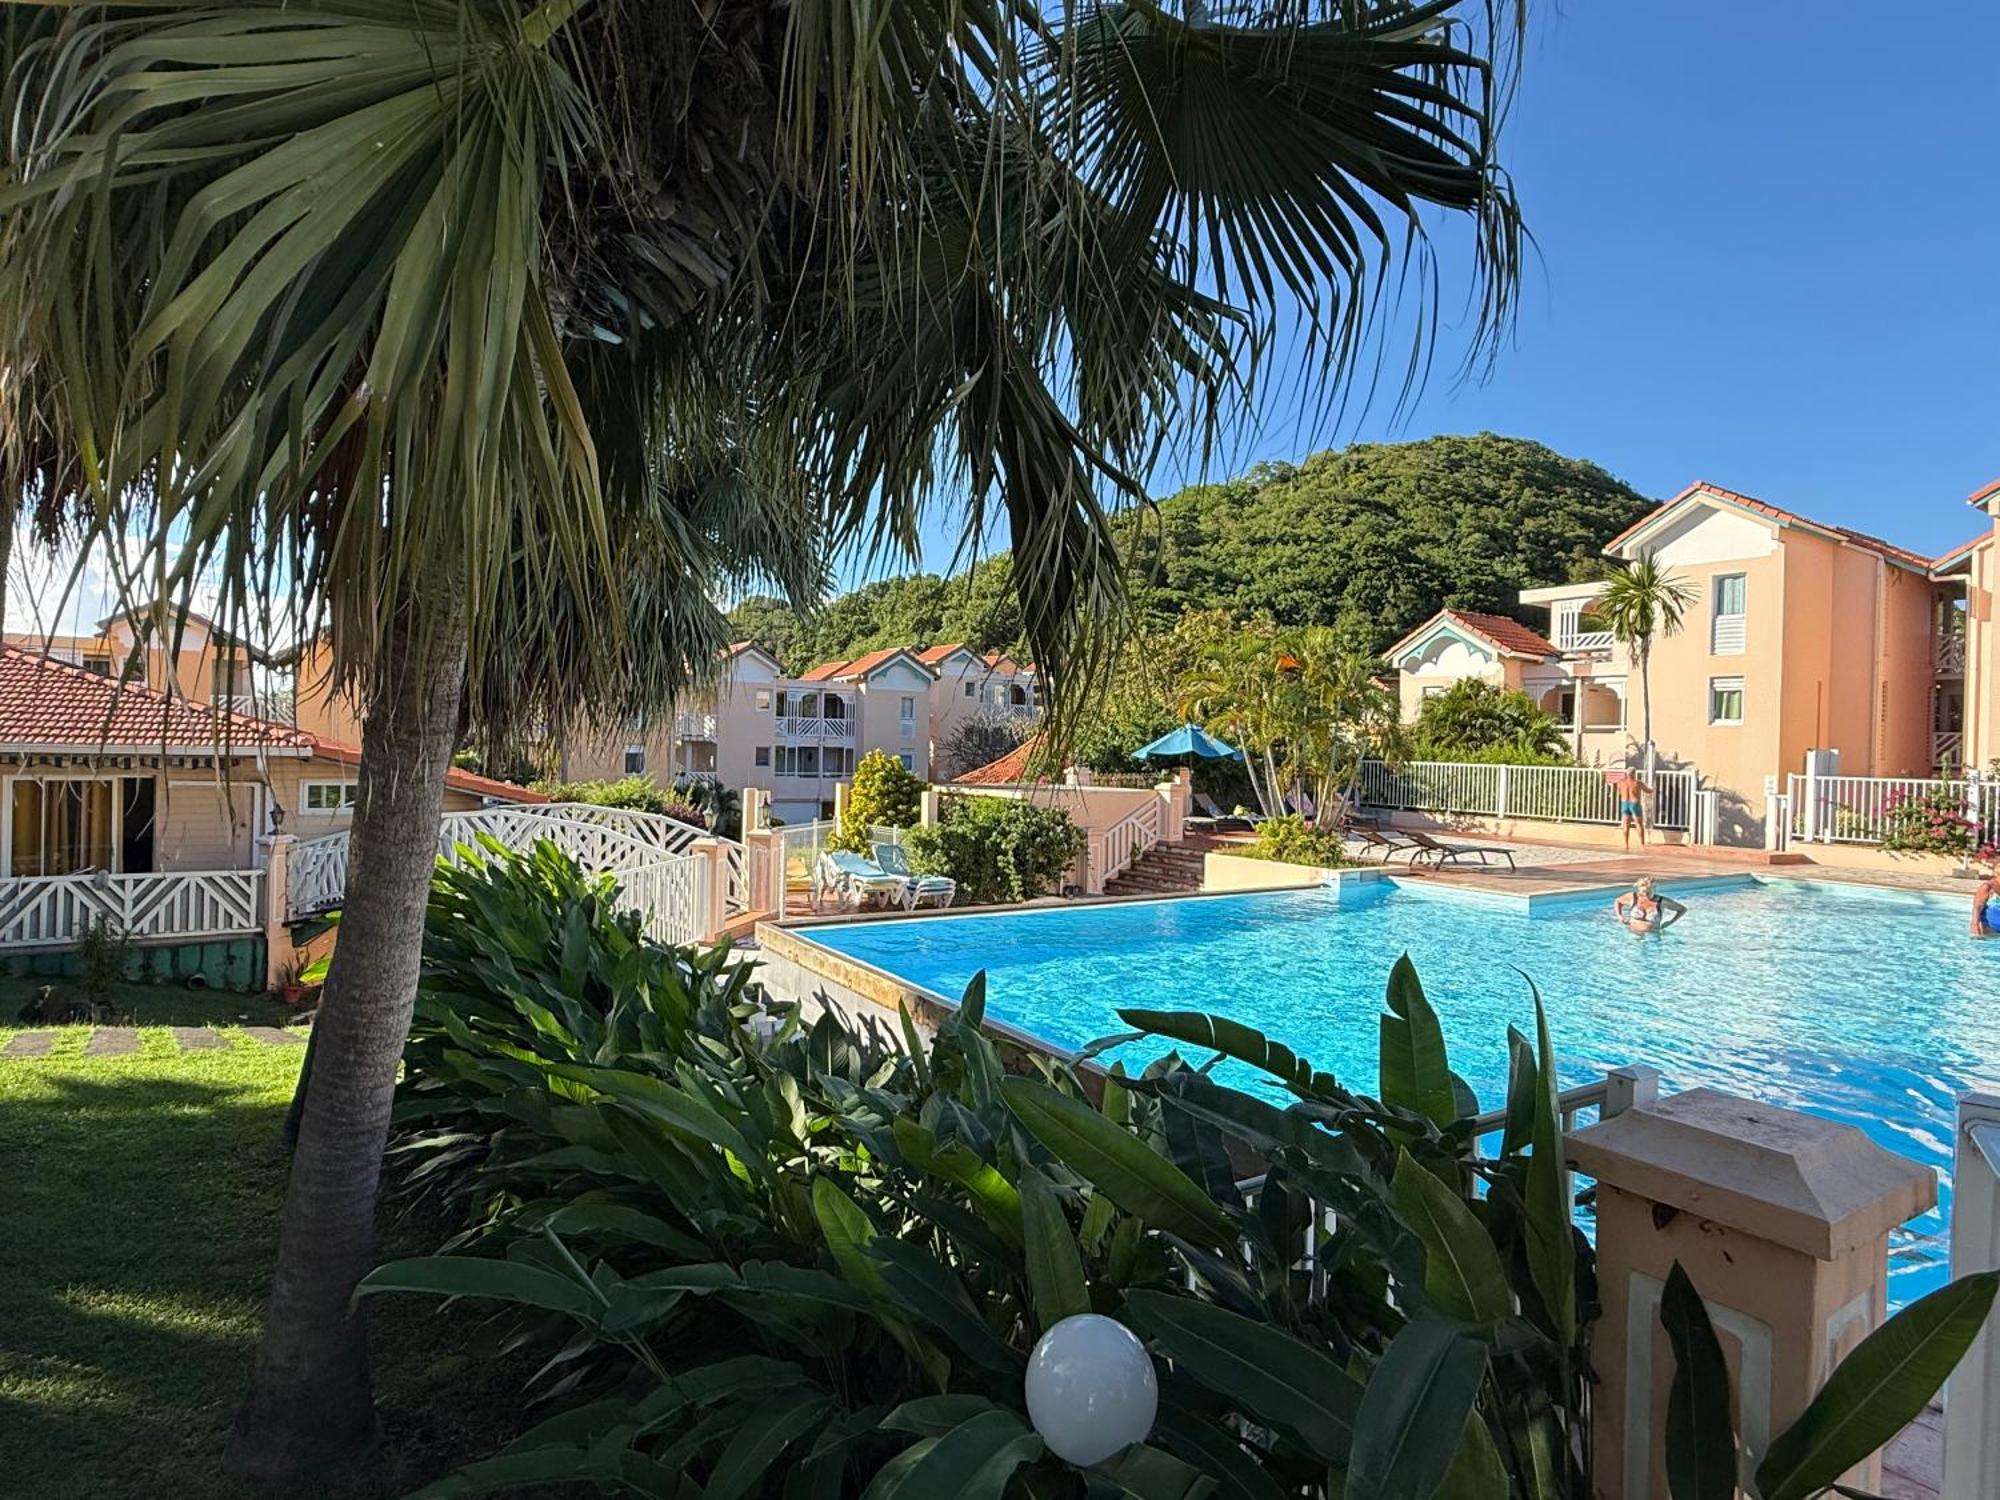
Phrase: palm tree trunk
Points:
(1646, 699)
(310, 1398)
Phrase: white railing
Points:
(1119, 846)
(1947, 748)
(1555, 794)
(55, 910)
(599, 839)
(1864, 809)
(1972, 1399)
(1571, 639)
(695, 726)
(795, 727)
(674, 897)
(240, 703)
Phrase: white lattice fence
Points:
(54, 910)
(673, 896)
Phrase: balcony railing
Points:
(1568, 638)
(695, 726)
(1948, 653)
(794, 727)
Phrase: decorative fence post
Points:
(1972, 1399)
(1500, 792)
(279, 955)
(713, 886)
(1975, 810)
(1781, 1220)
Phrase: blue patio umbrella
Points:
(1189, 739)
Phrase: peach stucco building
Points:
(1802, 636)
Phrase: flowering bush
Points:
(1933, 822)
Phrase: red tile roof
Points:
(1963, 549)
(1506, 635)
(1862, 539)
(1009, 770)
(932, 656)
(826, 671)
(457, 779)
(1984, 493)
(47, 704)
(861, 666)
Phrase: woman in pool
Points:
(1644, 909)
(1986, 906)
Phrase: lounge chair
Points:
(1215, 818)
(1442, 854)
(940, 890)
(1388, 841)
(853, 879)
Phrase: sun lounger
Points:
(1441, 853)
(852, 879)
(1215, 818)
(938, 890)
(1388, 842)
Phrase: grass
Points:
(140, 1201)
(152, 1004)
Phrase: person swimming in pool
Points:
(1644, 909)
(1631, 794)
(1986, 906)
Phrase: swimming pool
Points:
(1864, 1005)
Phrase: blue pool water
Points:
(1867, 1006)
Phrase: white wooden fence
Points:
(1555, 794)
(648, 852)
(1114, 851)
(55, 910)
(1863, 809)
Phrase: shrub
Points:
(882, 795)
(1291, 840)
(1476, 721)
(1932, 822)
(816, 1264)
(103, 958)
(717, 806)
(636, 793)
(997, 848)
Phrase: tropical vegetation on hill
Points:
(1372, 540)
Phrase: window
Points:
(1725, 631)
(1725, 700)
(763, 755)
(1433, 690)
(63, 826)
(763, 700)
(330, 796)
(635, 760)
(971, 690)
(909, 717)
(909, 761)
(101, 665)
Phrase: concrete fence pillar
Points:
(713, 874)
(764, 860)
(1177, 799)
(756, 809)
(279, 955)
(927, 807)
(1780, 1219)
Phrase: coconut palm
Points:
(417, 317)
(1637, 604)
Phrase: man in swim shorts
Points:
(1631, 793)
(1644, 909)
(1986, 906)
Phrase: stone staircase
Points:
(1164, 869)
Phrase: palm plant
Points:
(486, 333)
(1643, 601)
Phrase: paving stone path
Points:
(123, 1041)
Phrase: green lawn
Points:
(139, 1207)
(153, 1004)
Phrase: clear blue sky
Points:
(1768, 237)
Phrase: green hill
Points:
(1372, 539)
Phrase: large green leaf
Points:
(1878, 1390)
(1120, 1165)
(1551, 1239)
(1424, 1385)
(1233, 1039)
(1147, 1473)
(1055, 1267)
(973, 1461)
(1462, 1271)
(476, 1276)
(1701, 1432)
(768, 1428)
(1477, 1471)
(1270, 1375)
(1415, 1072)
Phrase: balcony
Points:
(1948, 653)
(695, 726)
(794, 727)
(1572, 641)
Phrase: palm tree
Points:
(416, 317)
(1643, 601)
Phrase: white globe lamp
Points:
(1091, 1389)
